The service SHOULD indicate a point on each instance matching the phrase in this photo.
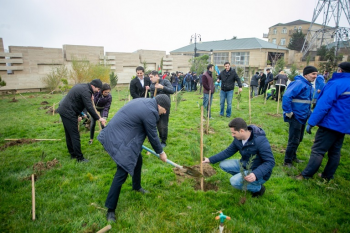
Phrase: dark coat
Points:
(255, 80)
(136, 89)
(269, 78)
(281, 79)
(78, 98)
(262, 79)
(228, 80)
(257, 145)
(208, 84)
(167, 88)
(124, 135)
(103, 103)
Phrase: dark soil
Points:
(31, 96)
(44, 103)
(40, 167)
(274, 114)
(208, 171)
(16, 143)
(14, 100)
(278, 149)
(243, 200)
(124, 99)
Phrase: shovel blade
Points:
(192, 172)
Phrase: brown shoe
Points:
(299, 177)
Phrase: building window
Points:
(240, 58)
(275, 31)
(283, 41)
(220, 58)
(284, 30)
(274, 41)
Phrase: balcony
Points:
(291, 32)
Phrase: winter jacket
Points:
(269, 78)
(257, 145)
(136, 89)
(208, 84)
(332, 110)
(228, 80)
(124, 135)
(297, 99)
(174, 80)
(78, 98)
(281, 79)
(255, 80)
(319, 85)
(103, 103)
(262, 79)
(167, 88)
(200, 78)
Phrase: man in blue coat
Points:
(332, 116)
(123, 138)
(296, 104)
(319, 84)
(249, 141)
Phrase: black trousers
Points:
(326, 140)
(119, 179)
(261, 89)
(296, 135)
(162, 126)
(278, 90)
(72, 137)
(93, 125)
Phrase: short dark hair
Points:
(237, 124)
(226, 63)
(209, 66)
(267, 69)
(140, 68)
(105, 86)
(154, 73)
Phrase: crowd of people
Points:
(149, 111)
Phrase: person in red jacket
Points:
(208, 85)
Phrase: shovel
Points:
(187, 170)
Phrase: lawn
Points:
(65, 191)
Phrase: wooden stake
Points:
(155, 89)
(33, 198)
(146, 93)
(201, 165)
(278, 97)
(268, 85)
(8, 139)
(105, 229)
(208, 112)
(99, 123)
(53, 109)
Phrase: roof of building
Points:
(296, 22)
(227, 45)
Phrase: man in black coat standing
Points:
(140, 84)
(269, 78)
(78, 98)
(123, 138)
(161, 86)
(262, 83)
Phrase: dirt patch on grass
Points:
(278, 149)
(123, 99)
(14, 100)
(32, 96)
(16, 143)
(208, 171)
(40, 167)
(274, 114)
(44, 103)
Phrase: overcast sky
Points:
(129, 25)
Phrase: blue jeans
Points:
(296, 134)
(179, 87)
(232, 166)
(206, 102)
(326, 140)
(226, 95)
(175, 87)
(188, 86)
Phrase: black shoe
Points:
(163, 144)
(259, 193)
(287, 164)
(83, 160)
(141, 190)
(73, 157)
(298, 161)
(111, 216)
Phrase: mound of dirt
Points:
(44, 103)
(13, 100)
(123, 99)
(16, 142)
(40, 167)
(208, 171)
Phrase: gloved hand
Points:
(308, 128)
(289, 115)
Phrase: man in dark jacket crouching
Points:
(78, 98)
(250, 141)
(123, 138)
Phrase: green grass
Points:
(64, 194)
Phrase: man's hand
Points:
(79, 119)
(240, 89)
(147, 87)
(103, 121)
(206, 160)
(157, 85)
(289, 115)
(318, 91)
(308, 128)
(163, 156)
(218, 80)
(250, 178)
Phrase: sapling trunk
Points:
(249, 170)
(278, 96)
(201, 165)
